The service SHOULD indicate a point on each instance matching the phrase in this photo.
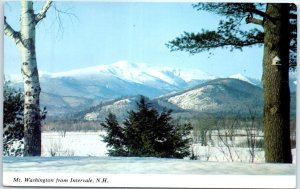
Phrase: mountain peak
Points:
(124, 64)
(245, 78)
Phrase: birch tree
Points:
(25, 42)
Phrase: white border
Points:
(169, 181)
(145, 180)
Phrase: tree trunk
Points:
(25, 41)
(276, 84)
(32, 118)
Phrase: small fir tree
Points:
(114, 136)
(12, 121)
(147, 133)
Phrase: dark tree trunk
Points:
(276, 84)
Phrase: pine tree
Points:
(277, 32)
(114, 136)
(12, 121)
(147, 133)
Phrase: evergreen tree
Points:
(114, 137)
(12, 121)
(147, 133)
(277, 32)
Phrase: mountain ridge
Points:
(219, 96)
(81, 88)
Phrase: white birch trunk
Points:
(25, 41)
(32, 121)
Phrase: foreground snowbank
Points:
(82, 155)
(121, 165)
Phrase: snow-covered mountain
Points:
(118, 79)
(162, 77)
(224, 95)
(120, 108)
(75, 90)
(82, 88)
(247, 79)
(221, 96)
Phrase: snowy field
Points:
(82, 155)
(90, 144)
(85, 152)
(73, 144)
(115, 165)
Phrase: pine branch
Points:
(254, 21)
(260, 13)
(42, 14)
(208, 40)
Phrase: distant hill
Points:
(219, 96)
(120, 107)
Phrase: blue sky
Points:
(94, 33)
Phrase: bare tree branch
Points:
(58, 17)
(12, 34)
(42, 14)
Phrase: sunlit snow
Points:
(134, 165)
(84, 152)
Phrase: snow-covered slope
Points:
(120, 107)
(79, 89)
(219, 96)
(137, 73)
(245, 78)
(113, 75)
(224, 96)
(163, 77)
(82, 88)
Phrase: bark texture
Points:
(276, 84)
(32, 121)
(25, 41)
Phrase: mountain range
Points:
(218, 96)
(75, 90)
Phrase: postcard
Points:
(163, 94)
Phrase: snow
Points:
(135, 165)
(17, 78)
(82, 155)
(91, 116)
(140, 73)
(244, 78)
(73, 144)
(91, 144)
(194, 74)
(193, 100)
